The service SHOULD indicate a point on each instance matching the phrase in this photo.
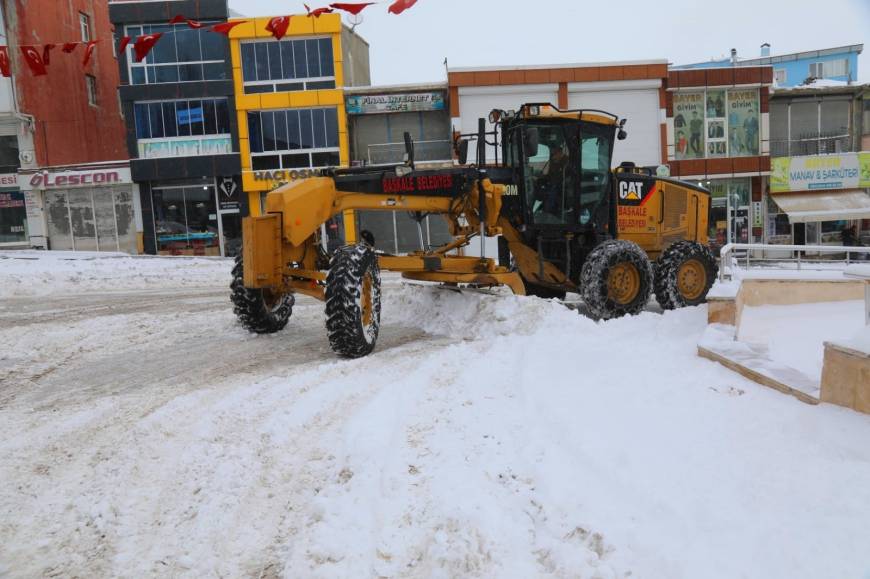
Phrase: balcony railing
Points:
(811, 145)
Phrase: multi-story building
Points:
(718, 135)
(839, 63)
(63, 132)
(290, 101)
(181, 130)
(820, 183)
(378, 118)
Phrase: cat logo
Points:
(510, 191)
(631, 190)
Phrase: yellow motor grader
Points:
(565, 222)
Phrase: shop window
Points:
(301, 137)
(99, 219)
(716, 123)
(778, 226)
(729, 208)
(9, 161)
(13, 218)
(183, 128)
(185, 219)
(832, 232)
(181, 55)
(309, 62)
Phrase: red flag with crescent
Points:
(400, 6)
(278, 26)
(316, 13)
(144, 44)
(125, 40)
(34, 60)
(351, 7)
(69, 47)
(225, 27)
(89, 51)
(5, 69)
(46, 53)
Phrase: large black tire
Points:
(259, 311)
(353, 300)
(685, 272)
(616, 280)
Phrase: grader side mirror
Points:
(462, 151)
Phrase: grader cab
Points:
(565, 222)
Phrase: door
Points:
(231, 234)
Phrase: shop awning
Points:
(824, 206)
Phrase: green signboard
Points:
(844, 171)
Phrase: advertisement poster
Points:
(689, 125)
(844, 171)
(743, 122)
(366, 104)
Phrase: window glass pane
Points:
(213, 45)
(169, 120)
(249, 67)
(313, 57)
(804, 128)
(182, 117)
(689, 125)
(325, 160)
(195, 118)
(155, 113)
(290, 87)
(259, 88)
(150, 75)
(319, 124)
(268, 120)
(293, 136)
(163, 74)
(189, 72)
(261, 51)
(254, 133)
(320, 85)
(223, 116)
(163, 51)
(266, 163)
(306, 130)
(326, 64)
(300, 59)
(214, 71)
(835, 118)
(143, 128)
(295, 161)
(274, 60)
(287, 58)
(743, 122)
(208, 114)
(281, 131)
(331, 128)
(137, 75)
(187, 44)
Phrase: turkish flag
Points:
(178, 19)
(125, 40)
(317, 11)
(5, 69)
(34, 61)
(278, 26)
(89, 51)
(225, 27)
(352, 7)
(46, 53)
(70, 46)
(195, 24)
(144, 44)
(400, 6)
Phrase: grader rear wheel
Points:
(685, 272)
(353, 301)
(616, 280)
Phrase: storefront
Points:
(819, 200)
(85, 208)
(13, 213)
(193, 217)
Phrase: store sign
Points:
(285, 176)
(8, 180)
(66, 179)
(395, 103)
(228, 194)
(844, 171)
(163, 148)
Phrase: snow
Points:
(31, 272)
(795, 334)
(860, 341)
(487, 436)
(859, 271)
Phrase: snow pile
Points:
(795, 334)
(36, 273)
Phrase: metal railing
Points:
(733, 255)
(808, 145)
(391, 153)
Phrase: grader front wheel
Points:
(353, 301)
(685, 272)
(258, 310)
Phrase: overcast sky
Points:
(412, 47)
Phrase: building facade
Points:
(290, 102)
(820, 183)
(718, 135)
(378, 118)
(839, 64)
(65, 132)
(181, 130)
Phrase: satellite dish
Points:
(355, 20)
(663, 171)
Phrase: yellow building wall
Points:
(300, 26)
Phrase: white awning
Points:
(824, 206)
